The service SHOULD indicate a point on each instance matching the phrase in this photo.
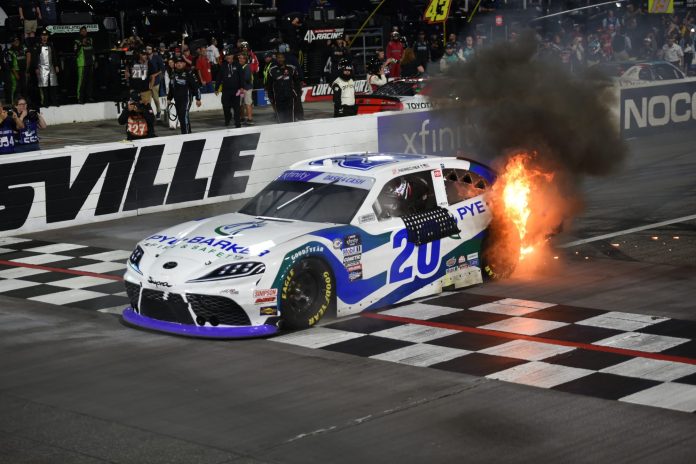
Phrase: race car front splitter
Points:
(138, 320)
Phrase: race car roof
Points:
(372, 164)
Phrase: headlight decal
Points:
(135, 258)
(233, 271)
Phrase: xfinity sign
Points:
(659, 108)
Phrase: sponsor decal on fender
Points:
(268, 311)
(264, 296)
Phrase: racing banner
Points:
(658, 108)
(437, 11)
(661, 6)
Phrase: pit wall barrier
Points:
(82, 184)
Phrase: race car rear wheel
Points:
(500, 251)
(307, 294)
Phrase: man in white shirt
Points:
(672, 52)
(213, 55)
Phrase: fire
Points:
(522, 187)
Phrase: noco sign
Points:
(658, 108)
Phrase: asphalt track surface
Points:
(78, 386)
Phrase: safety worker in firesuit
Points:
(344, 91)
(283, 89)
(183, 87)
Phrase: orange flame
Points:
(521, 185)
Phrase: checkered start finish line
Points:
(628, 357)
(63, 274)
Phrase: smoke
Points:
(520, 103)
(526, 103)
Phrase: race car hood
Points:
(231, 237)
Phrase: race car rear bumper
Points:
(138, 320)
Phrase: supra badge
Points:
(158, 283)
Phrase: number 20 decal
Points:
(426, 264)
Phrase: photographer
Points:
(138, 118)
(9, 123)
(28, 136)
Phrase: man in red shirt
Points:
(395, 51)
(205, 75)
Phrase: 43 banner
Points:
(437, 11)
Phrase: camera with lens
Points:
(32, 115)
(9, 109)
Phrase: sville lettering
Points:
(64, 199)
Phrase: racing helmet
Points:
(395, 35)
(345, 65)
(374, 65)
(394, 199)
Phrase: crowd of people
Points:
(167, 80)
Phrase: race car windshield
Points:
(307, 201)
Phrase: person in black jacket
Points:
(230, 80)
(138, 118)
(283, 94)
(182, 89)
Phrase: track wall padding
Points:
(76, 185)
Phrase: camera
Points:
(9, 109)
(32, 115)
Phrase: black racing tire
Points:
(500, 251)
(307, 293)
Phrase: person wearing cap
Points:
(45, 64)
(450, 58)
(230, 81)
(394, 54)
(247, 89)
(268, 63)
(283, 89)
(84, 56)
(19, 58)
(183, 87)
(139, 119)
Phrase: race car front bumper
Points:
(133, 318)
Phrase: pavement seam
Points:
(385, 413)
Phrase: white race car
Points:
(338, 234)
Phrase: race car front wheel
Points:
(307, 294)
(500, 251)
